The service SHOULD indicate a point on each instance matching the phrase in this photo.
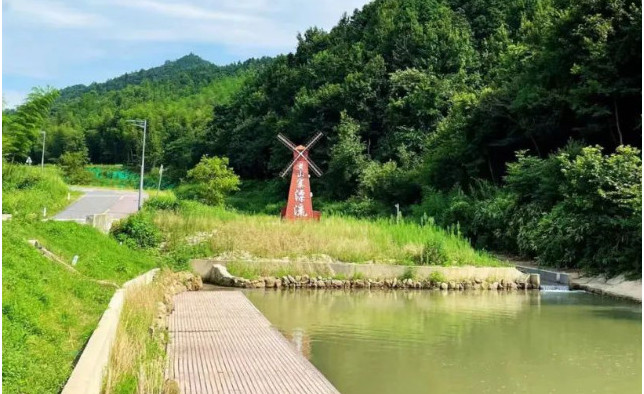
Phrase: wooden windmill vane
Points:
(300, 204)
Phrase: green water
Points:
(487, 342)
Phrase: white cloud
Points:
(185, 11)
(53, 14)
(13, 98)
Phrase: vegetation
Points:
(444, 107)
(214, 230)
(210, 181)
(27, 190)
(48, 312)
(137, 358)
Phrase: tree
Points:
(210, 181)
(21, 128)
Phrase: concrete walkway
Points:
(221, 343)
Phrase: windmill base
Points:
(283, 216)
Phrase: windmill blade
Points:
(288, 168)
(286, 141)
(314, 140)
(314, 168)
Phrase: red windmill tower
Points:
(300, 204)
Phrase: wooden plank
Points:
(221, 344)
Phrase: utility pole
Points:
(144, 125)
(160, 176)
(42, 158)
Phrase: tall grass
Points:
(137, 359)
(343, 238)
(26, 190)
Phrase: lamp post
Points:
(42, 157)
(142, 123)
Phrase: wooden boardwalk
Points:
(221, 343)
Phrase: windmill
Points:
(300, 204)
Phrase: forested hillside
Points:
(517, 120)
(175, 98)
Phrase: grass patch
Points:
(100, 256)
(48, 314)
(342, 238)
(26, 190)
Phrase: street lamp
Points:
(42, 158)
(142, 123)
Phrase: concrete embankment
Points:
(618, 286)
(278, 274)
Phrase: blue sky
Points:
(62, 43)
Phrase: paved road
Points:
(116, 203)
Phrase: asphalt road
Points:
(116, 203)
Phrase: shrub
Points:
(137, 231)
(433, 253)
(409, 273)
(73, 166)
(210, 181)
(437, 277)
(162, 203)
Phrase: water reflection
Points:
(425, 341)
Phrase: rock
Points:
(171, 387)
(535, 280)
(269, 282)
(444, 286)
(451, 285)
(291, 279)
(513, 286)
(319, 277)
(495, 286)
(298, 278)
(320, 283)
(477, 280)
(220, 275)
(337, 283)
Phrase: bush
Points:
(162, 203)
(73, 166)
(433, 253)
(437, 277)
(137, 231)
(209, 181)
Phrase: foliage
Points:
(136, 231)
(22, 127)
(26, 190)
(167, 202)
(437, 277)
(210, 181)
(73, 166)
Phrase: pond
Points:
(462, 342)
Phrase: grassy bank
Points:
(48, 312)
(26, 190)
(217, 231)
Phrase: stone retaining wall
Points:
(219, 275)
(203, 267)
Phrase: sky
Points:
(62, 43)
